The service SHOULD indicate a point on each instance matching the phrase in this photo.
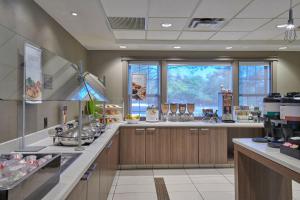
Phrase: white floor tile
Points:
(135, 188)
(181, 188)
(202, 172)
(135, 180)
(215, 187)
(209, 179)
(218, 195)
(230, 178)
(185, 196)
(167, 172)
(136, 173)
(296, 186)
(226, 171)
(180, 179)
(135, 196)
(296, 194)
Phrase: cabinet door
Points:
(127, 146)
(205, 153)
(157, 146)
(219, 144)
(102, 161)
(191, 154)
(140, 146)
(94, 184)
(177, 136)
(151, 134)
(79, 192)
(162, 146)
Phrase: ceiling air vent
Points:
(129, 23)
(195, 22)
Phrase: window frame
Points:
(238, 78)
(206, 63)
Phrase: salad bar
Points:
(28, 176)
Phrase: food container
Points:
(36, 183)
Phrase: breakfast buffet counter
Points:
(263, 172)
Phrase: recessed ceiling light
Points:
(123, 47)
(166, 25)
(282, 48)
(177, 47)
(228, 48)
(74, 13)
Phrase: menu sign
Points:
(139, 84)
(33, 73)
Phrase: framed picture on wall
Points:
(139, 86)
(33, 73)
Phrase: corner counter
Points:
(262, 172)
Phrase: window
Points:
(197, 83)
(254, 83)
(152, 72)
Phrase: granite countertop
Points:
(72, 175)
(270, 153)
(194, 124)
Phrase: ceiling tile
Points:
(262, 35)
(264, 9)
(193, 35)
(134, 35)
(244, 24)
(162, 35)
(154, 24)
(171, 8)
(212, 8)
(125, 8)
(228, 35)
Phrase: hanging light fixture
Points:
(290, 28)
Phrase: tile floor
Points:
(182, 184)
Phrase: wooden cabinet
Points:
(79, 192)
(191, 143)
(219, 145)
(212, 146)
(177, 143)
(98, 185)
(132, 146)
(157, 146)
(93, 184)
(205, 146)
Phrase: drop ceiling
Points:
(249, 24)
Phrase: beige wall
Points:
(26, 19)
(108, 64)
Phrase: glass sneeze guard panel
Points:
(60, 77)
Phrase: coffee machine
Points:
(290, 115)
(271, 117)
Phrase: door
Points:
(219, 144)
(140, 146)
(157, 146)
(191, 156)
(132, 146)
(127, 146)
(177, 136)
(205, 153)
